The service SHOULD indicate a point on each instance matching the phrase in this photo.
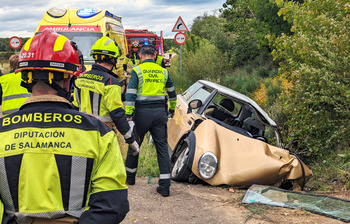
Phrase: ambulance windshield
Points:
(84, 41)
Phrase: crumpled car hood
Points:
(244, 161)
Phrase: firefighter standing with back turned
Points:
(97, 92)
(146, 106)
(58, 165)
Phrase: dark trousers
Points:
(152, 119)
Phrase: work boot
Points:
(163, 192)
(130, 181)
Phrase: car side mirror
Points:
(194, 104)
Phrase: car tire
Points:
(180, 171)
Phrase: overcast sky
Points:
(20, 17)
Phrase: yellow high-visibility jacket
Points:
(98, 93)
(12, 93)
(57, 161)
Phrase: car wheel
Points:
(180, 171)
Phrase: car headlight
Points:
(207, 165)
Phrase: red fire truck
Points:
(143, 36)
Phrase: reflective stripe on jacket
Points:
(13, 94)
(98, 93)
(57, 161)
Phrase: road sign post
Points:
(180, 38)
(15, 43)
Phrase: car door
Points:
(182, 122)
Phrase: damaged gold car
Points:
(223, 137)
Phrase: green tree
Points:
(4, 44)
(250, 21)
(315, 59)
(212, 28)
(200, 60)
(169, 44)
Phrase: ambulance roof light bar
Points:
(88, 12)
(113, 16)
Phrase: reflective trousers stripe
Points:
(171, 89)
(131, 170)
(164, 176)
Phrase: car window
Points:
(191, 90)
(201, 94)
(196, 91)
(236, 106)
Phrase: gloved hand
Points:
(171, 113)
(134, 146)
(126, 74)
(130, 139)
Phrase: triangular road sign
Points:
(180, 26)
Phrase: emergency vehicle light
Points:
(113, 16)
(56, 12)
(87, 12)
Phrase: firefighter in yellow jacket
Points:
(58, 165)
(133, 58)
(12, 94)
(98, 91)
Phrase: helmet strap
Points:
(27, 86)
(114, 65)
(60, 91)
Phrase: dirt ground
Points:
(190, 203)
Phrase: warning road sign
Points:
(15, 42)
(180, 26)
(180, 38)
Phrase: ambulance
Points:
(85, 26)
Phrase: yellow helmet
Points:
(106, 46)
(135, 44)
